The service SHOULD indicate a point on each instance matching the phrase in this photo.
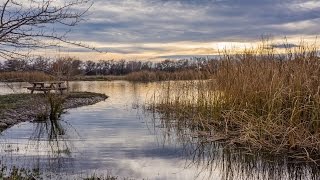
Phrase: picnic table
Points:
(46, 87)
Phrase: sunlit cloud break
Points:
(148, 29)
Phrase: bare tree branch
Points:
(32, 24)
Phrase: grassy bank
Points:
(14, 101)
(260, 101)
(15, 108)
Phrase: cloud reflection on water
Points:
(112, 136)
(108, 136)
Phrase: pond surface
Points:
(117, 137)
(111, 137)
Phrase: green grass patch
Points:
(13, 101)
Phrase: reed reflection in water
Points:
(118, 136)
(109, 137)
(231, 161)
(46, 148)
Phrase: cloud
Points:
(135, 22)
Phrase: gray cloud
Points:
(164, 21)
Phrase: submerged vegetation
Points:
(259, 100)
(16, 173)
(20, 173)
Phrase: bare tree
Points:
(32, 24)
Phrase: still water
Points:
(112, 137)
(117, 137)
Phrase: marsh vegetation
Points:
(259, 100)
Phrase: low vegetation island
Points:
(16, 108)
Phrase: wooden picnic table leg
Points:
(34, 86)
(45, 91)
(60, 88)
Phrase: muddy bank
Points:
(16, 108)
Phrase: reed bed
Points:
(24, 76)
(139, 76)
(150, 76)
(259, 100)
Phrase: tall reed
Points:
(53, 107)
(147, 76)
(259, 99)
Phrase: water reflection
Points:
(53, 132)
(45, 147)
(110, 137)
(117, 137)
(17, 87)
(232, 162)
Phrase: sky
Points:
(159, 29)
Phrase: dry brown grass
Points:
(261, 101)
(141, 76)
(97, 78)
(24, 76)
(149, 76)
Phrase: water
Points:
(117, 137)
(111, 137)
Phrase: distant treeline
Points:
(70, 66)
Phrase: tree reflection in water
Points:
(54, 134)
(48, 149)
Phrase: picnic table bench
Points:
(46, 87)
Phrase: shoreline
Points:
(17, 108)
(139, 76)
